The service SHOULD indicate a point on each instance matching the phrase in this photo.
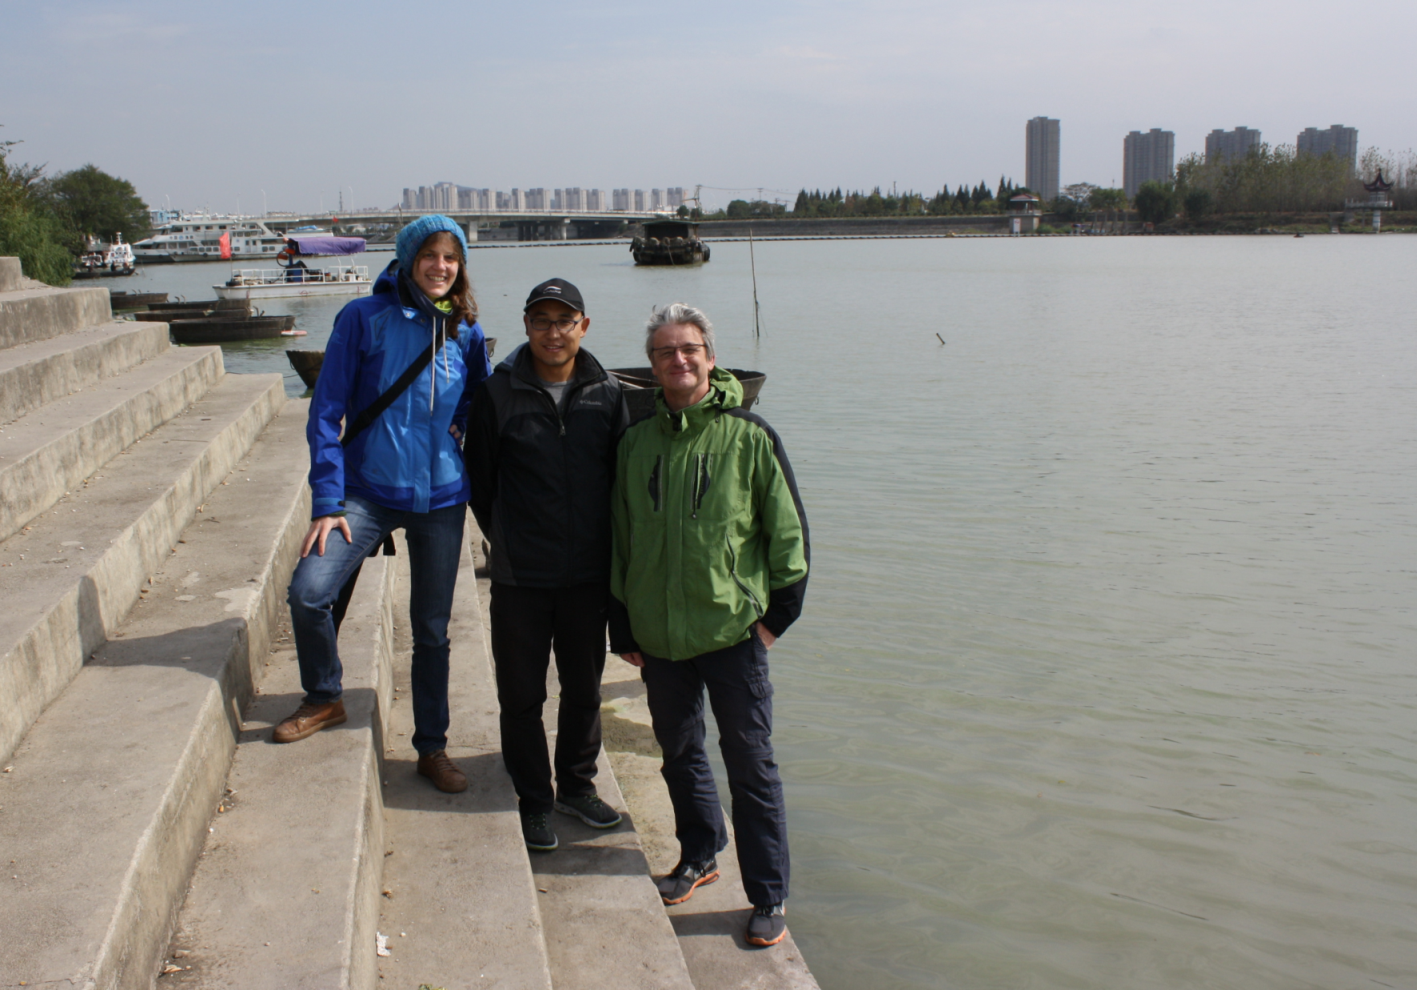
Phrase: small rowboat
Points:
(307, 362)
(639, 385)
(220, 329)
(203, 305)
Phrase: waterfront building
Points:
(620, 199)
(1149, 157)
(595, 200)
(516, 202)
(410, 199)
(674, 197)
(1042, 135)
(1230, 144)
(656, 199)
(536, 199)
(1337, 140)
(572, 200)
(639, 206)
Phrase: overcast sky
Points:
(288, 105)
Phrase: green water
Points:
(1106, 674)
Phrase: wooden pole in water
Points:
(753, 263)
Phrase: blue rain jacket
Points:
(406, 459)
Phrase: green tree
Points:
(1107, 199)
(1198, 203)
(91, 201)
(28, 229)
(1156, 202)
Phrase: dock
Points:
(153, 836)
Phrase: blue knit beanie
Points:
(411, 238)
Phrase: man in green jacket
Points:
(708, 569)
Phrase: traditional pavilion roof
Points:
(1378, 184)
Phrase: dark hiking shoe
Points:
(439, 768)
(679, 885)
(589, 809)
(308, 720)
(537, 833)
(767, 925)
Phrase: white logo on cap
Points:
(553, 288)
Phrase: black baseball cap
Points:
(558, 289)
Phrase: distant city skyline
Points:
(451, 196)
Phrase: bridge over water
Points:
(531, 225)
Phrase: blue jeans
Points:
(741, 696)
(434, 548)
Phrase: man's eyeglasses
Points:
(687, 351)
(543, 323)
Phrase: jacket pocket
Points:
(656, 483)
(733, 573)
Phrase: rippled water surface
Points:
(1106, 677)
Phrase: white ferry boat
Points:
(199, 238)
(294, 277)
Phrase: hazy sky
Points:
(206, 104)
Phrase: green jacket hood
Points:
(725, 392)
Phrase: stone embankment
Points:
(150, 833)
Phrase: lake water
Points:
(1106, 676)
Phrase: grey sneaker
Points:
(684, 879)
(767, 925)
(589, 809)
(537, 833)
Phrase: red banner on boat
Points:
(225, 243)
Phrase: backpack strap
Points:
(375, 409)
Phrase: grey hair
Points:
(664, 316)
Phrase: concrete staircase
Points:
(150, 833)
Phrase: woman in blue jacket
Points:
(404, 470)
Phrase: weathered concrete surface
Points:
(47, 453)
(710, 924)
(285, 893)
(32, 375)
(70, 579)
(605, 925)
(10, 274)
(37, 314)
(462, 906)
(107, 805)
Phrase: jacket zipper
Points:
(733, 572)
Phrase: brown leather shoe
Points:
(308, 720)
(444, 773)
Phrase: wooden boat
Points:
(165, 314)
(639, 385)
(307, 362)
(242, 305)
(669, 242)
(222, 329)
(135, 300)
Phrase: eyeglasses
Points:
(687, 351)
(543, 323)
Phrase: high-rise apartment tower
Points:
(1230, 144)
(1337, 140)
(1041, 168)
(1149, 157)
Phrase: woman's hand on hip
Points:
(320, 529)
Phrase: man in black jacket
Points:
(540, 452)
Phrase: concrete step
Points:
(71, 577)
(285, 895)
(461, 909)
(10, 274)
(110, 794)
(37, 314)
(54, 448)
(32, 375)
(605, 924)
